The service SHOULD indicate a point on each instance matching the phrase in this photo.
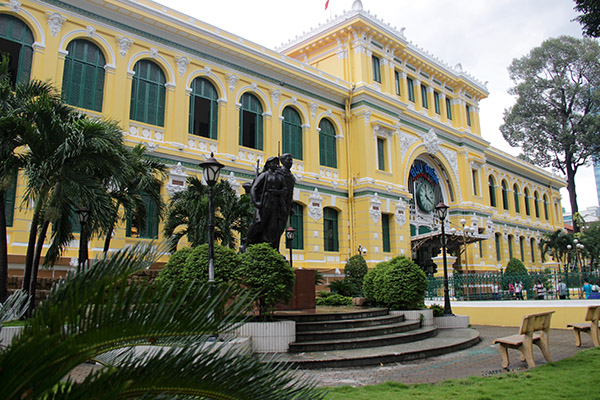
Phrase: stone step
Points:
(354, 333)
(347, 323)
(364, 342)
(446, 341)
(370, 313)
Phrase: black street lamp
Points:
(569, 247)
(289, 235)
(442, 210)
(211, 171)
(362, 250)
(84, 215)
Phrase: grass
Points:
(577, 377)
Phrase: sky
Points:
(482, 35)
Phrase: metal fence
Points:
(496, 286)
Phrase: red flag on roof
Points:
(326, 4)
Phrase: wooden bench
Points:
(534, 330)
(592, 315)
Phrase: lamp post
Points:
(569, 247)
(442, 210)
(211, 170)
(290, 232)
(362, 250)
(84, 214)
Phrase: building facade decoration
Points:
(55, 22)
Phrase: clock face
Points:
(425, 196)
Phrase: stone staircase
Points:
(369, 337)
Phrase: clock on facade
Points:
(425, 196)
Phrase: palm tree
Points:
(140, 176)
(188, 210)
(99, 314)
(555, 244)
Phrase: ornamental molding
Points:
(452, 159)
(153, 52)
(55, 22)
(90, 30)
(232, 80)
(177, 180)
(182, 64)
(315, 205)
(375, 209)
(430, 141)
(313, 109)
(400, 214)
(124, 43)
(233, 182)
(382, 129)
(275, 95)
(406, 141)
(15, 5)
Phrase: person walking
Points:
(587, 288)
(511, 290)
(540, 290)
(519, 290)
(562, 290)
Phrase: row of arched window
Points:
(516, 198)
(511, 244)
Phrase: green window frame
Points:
(498, 247)
(516, 196)
(251, 122)
(149, 230)
(522, 248)
(536, 200)
(448, 109)
(148, 93)
(330, 229)
(16, 40)
(527, 208)
(385, 233)
(297, 222)
(510, 247)
(83, 76)
(10, 195)
(436, 102)
(397, 81)
(475, 178)
(480, 245)
(532, 245)
(505, 195)
(376, 69)
(492, 189)
(327, 144)
(424, 99)
(411, 89)
(381, 154)
(468, 109)
(204, 109)
(291, 131)
(546, 207)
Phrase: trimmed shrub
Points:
(399, 284)
(515, 267)
(355, 271)
(334, 300)
(265, 271)
(342, 287)
(438, 310)
(173, 269)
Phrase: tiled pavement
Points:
(482, 359)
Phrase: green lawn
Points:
(577, 377)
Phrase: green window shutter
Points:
(83, 78)
(411, 89)
(448, 109)
(292, 133)
(436, 102)
(259, 132)
(516, 196)
(385, 232)
(330, 228)
(468, 109)
(148, 93)
(492, 189)
(532, 243)
(297, 222)
(397, 80)
(253, 137)
(504, 195)
(381, 154)
(327, 144)
(474, 178)
(9, 201)
(510, 247)
(498, 252)
(376, 69)
(241, 119)
(522, 248)
(545, 207)
(536, 201)
(214, 119)
(424, 99)
(191, 113)
(480, 245)
(527, 209)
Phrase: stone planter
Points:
(7, 333)
(415, 315)
(452, 321)
(269, 337)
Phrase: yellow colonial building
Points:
(380, 130)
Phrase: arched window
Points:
(504, 195)
(522, 248)
(9, 200)
(148, 93)
(510, 247)
(492, 188)
(327, 144)
(291, 129)
(385, 233)
(203, 109)
(516, 195)
(16, 41)
(251, 122)
(536, 200)
(83, 77)
(330, 229)
(546, 207)
(527, 209)
(498, 247)
(532, 243)
(297, 222)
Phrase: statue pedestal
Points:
(304, 292)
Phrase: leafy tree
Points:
(590, 18)
(266, 272)
(187, 214)
(515, 267)
(555, 244)
(556, 118)
(355, 271)
(98, 314)
(590, 238)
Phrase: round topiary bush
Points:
(173, 270)
(515, 267)
(355, 271)
(399, 284)
(265, 271)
